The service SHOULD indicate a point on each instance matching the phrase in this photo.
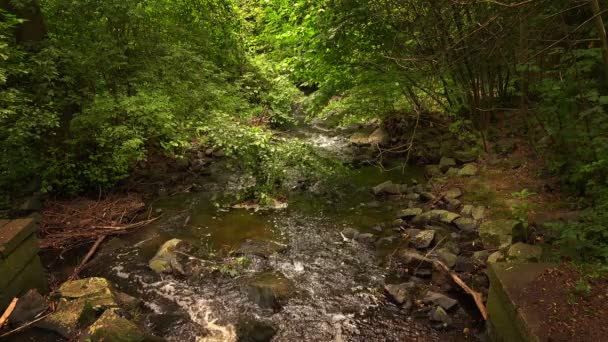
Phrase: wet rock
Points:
(465, 224)
(398, 223)
(441, 316)
(401, 293)
(110, 327)
(439, 299)
(379, 137)
(409, 213)
(366, 238)
(495, 257)
(28, 306)
(251, 330)
(350, 233)
(424, 239)
(481, 256)
(452, 193)
(387, 187)
(166, 259)
(68, 316)
(468, 170)
(522, 252)
(261, 248)
(96, 291)
(496, 233)
(270, 290)
(445, 163)
(432, 171)
(447, 257)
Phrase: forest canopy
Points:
(89, 89)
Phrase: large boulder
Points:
(496, 233)
(522, 252)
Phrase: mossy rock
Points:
(110, 327)
(496, 233)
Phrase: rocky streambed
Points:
(357, 266)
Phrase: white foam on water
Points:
(198, 308)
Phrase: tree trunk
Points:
(33, 29)
(599, 23)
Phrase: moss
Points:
(479, 194)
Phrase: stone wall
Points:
(20, 267)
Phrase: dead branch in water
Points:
(70, 223)
(477, 297)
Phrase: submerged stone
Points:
(389, 188)
(262, 248)
(270, 290)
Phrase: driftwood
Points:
(477, 297)
(87, 257)
(8, 312)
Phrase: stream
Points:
(282, 275)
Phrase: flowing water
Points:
(324, 287)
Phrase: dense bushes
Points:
(116, 79)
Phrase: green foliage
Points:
(521, 209)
